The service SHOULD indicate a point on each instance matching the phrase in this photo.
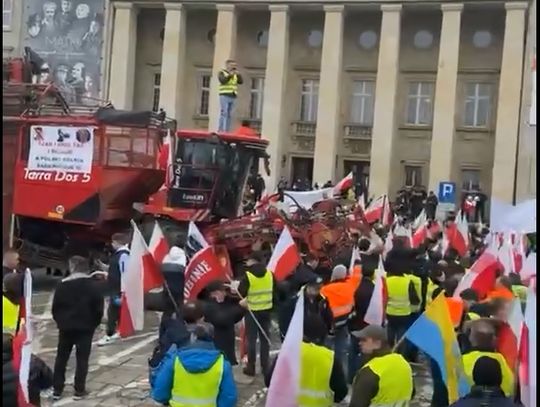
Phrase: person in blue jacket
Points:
(195, 374)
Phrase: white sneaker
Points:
(106, 340)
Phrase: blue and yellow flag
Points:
(433, 333)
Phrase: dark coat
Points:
(485, 397)
(41, 378)
(9, 376)
(257, 270)
(78, 304)
(362, 297)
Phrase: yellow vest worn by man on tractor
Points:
(315, 370)
(10, 316)
(395, 380)
(259, 295)
(399, 303)
(231, 87)
(196, 389)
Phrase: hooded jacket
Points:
(78, 304)
(196, 358)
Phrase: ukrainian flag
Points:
(433, 333)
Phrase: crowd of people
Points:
(358, 362)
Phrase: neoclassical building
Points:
(408, 93)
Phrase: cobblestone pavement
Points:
(118, 374)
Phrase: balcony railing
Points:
(357, 131)
(304, 129)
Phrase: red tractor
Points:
(81, 174)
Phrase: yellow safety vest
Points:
(469, 360)
(231, 86)
(395, 380)
(473, 316)
(259, 296)
(417, 282)
(398, 296)
(315, 383)
(10, 316)
(520, 292)
(196, 389)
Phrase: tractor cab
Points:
(206, 175)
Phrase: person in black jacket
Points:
(117, 265)
(41, 378)
(77, 310)
(223, 312)
(315, 332)
(9, 375)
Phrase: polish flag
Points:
(505, 254)
(456, 239)
(158, 249)
(22, 345)
(344, 184)
(420, 220)
(285, 257)
(509, 336)
(165, 159)
(195, 240)
(376, 308)
(481, 276)
(133, 285)
(379, 210)
(527, 353)
(158, 244)
(285, 382)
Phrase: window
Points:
(470, 180)
(256, 98)
(310, 100)
(413, 175)
(7, 9)
(477, 104)
(362, 102)
(204, 94)
(420, 103)
(156, 93)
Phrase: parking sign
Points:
(447, 192)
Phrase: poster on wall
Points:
(68, 35)
(532, 114)
(61, 149)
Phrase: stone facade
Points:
(405, 93)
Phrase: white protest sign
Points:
(61, 149)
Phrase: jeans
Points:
(397, 326)
(354, 359)
(226, 104)
(83, 345)
(252, 333)
(340, 343)
(113, 316)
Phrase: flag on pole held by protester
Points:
(158, 244)
(285, 383)
(376, 308)
(481, 276)
(195, 240)
(509, 335)
(285, 257)
(344, 184)
(203, 268)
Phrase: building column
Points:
(506, 131)
(384, 120)
(441, 166)
(274, 124)
(124, 43)
(224, 48)
(173, 61)
(328, 130)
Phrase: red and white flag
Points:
(165, 159)
(158, 244)
(202, 269)
(420, 220)
(424, 232)
(285, 383)
(344, 184)
(509, 336)
(456, 238)
(22, 345)
(379, 210)
(376, 309)
(285, 257)
(528, 270)
(505, 254)
(141, 275)
(481, 276)
(527, 354)
(195, 240)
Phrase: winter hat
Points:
(487, 372)
(339, 272)
(176, 256)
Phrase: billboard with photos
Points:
(68, 35)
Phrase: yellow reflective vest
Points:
(231, 86)
(417, 282)
(259, 295)
(520, 292)
(315, 382)
(10, 316)
(398, 296)
(469, 360)
(196, 389)
(395, 380)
